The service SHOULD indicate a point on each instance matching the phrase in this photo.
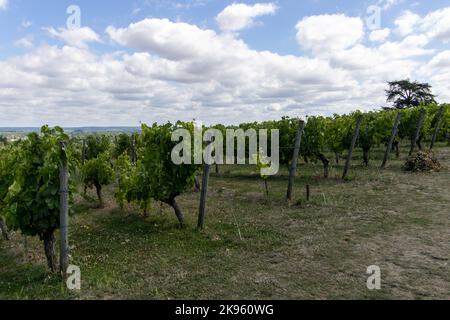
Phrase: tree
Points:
(406, 94)
(33, 197)
(98, 172)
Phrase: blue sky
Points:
(222, 61)
(277, 33)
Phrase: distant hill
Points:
(80, 130)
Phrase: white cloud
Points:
(240, 16)
(437, 72)
(187, 4)
(165, 70)
(380, 35)
(329, 32)
(78, 37)
(3, 4)
(25, 42)
(406, 23)
(174, 40)
(434, 25)
(220, 80)
(26, 24)
(437, 24)
(388, 4)
(441, 60)
(411, 46)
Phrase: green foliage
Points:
(261, 163)
(97, 145)
(336, 132)
(123, 173)
(162, 177)
(131, 184)
(32, 199)
(8, 157)
(123, 145)
(410, 120)
(74, 147)
(155, 176)
(98, 171)
(445, 132)
(288, 130)
(313, 142)
(433, 113)
(375, 128)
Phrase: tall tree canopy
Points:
(406, 94)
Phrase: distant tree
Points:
(406, 94)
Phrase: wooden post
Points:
(352, 147)
(4, 228)
(204, 194)
(308, 192)
(197, 185)
(64, 211)
(25, 246)
(293, 168)
(391, 140)
(417, 135)
(438, 124)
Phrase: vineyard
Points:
(352, 191)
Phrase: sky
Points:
(120, 63)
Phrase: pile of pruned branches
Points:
(422, 162)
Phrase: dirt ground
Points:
(258, 248)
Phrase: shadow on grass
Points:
(28, 281)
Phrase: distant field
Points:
(254, 248)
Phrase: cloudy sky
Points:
(212, 60)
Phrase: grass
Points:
(258, 248)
